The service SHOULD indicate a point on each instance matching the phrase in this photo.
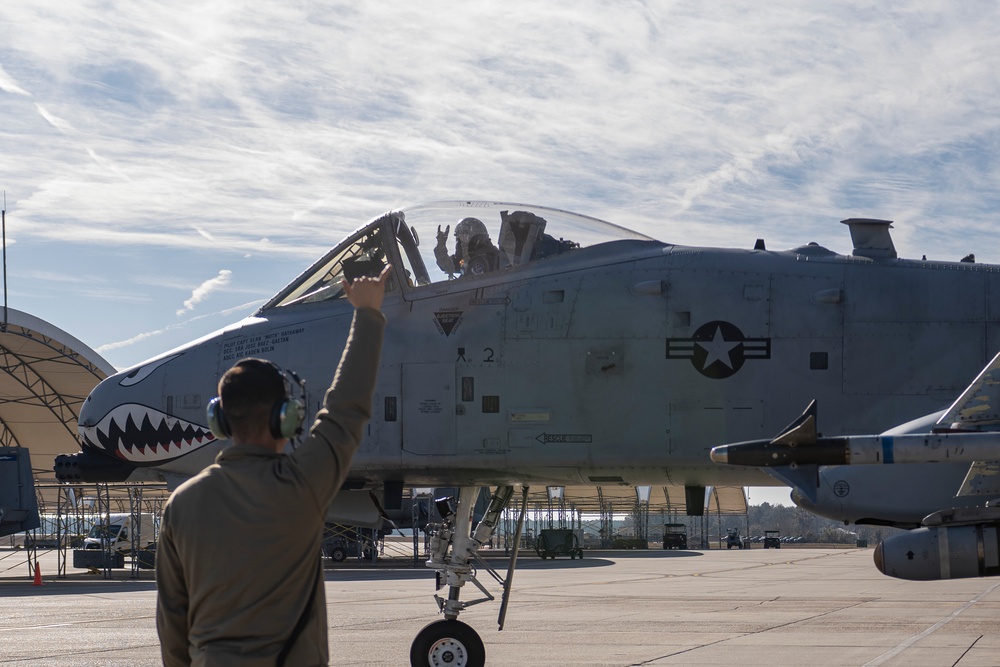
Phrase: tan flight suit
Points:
(238, 559)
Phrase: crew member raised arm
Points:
(238, 570)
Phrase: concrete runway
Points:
(818, 607)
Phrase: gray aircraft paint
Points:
(623, 360)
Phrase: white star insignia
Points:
(718, 349)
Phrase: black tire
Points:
(449, 643)
(338, 554)
(542, 546)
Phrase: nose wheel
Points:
(447, 644)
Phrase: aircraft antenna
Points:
(3, 229)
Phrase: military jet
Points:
(959, 535)
(533, 346)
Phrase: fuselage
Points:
(604, 362)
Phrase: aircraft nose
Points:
(879, 559)
(89, 418)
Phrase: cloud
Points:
(695, 123)
(177, 326)
(107, 347)
(203, 233)
(107, 165)
(54, 121)
(8, 85)
(202, 291)
(730, 115)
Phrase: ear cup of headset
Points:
(217, 422)
(286, 418)
(287, 415)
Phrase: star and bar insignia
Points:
(718, 349)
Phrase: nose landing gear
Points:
(453, 547)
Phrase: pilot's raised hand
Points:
(367, 292)
(442, 237)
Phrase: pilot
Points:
(475, 253)
(238, 571)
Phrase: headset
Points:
(287, 415)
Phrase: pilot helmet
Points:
(469, 228)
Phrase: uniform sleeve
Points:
(171, 600)
(325, 456)
(445, 262)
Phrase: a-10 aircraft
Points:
(956, 540)
(532, 346)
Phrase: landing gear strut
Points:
(451, 642)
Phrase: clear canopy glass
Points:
(454, 240)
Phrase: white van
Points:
(121, 532)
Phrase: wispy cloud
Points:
(692, 122)
(8, 85)
(52, 120)
(202, 291)
(203, 233)
(242, 309)
(108, 347)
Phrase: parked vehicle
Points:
(771, 539)
(675, 536)
(343, 542)
(733, 539)
(554, 542)
(120, 531)
(112, 539)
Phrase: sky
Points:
(168, 166)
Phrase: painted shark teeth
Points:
(145, 436)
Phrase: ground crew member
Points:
(238, 571)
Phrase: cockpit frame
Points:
(523, 233)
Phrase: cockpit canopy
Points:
(443, 241)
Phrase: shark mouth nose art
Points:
(144, 436)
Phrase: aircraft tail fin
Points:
(983, 479)
(978, 408)
(802, 431)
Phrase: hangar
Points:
(45, 376)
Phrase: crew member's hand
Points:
(442, 237)
(366, 292)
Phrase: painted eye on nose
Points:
(140, 374)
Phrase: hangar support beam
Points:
(7, 437)
(43, 394)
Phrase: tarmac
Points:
(798, 606)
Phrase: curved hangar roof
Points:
(45, 376)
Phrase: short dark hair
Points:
(248, 392)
